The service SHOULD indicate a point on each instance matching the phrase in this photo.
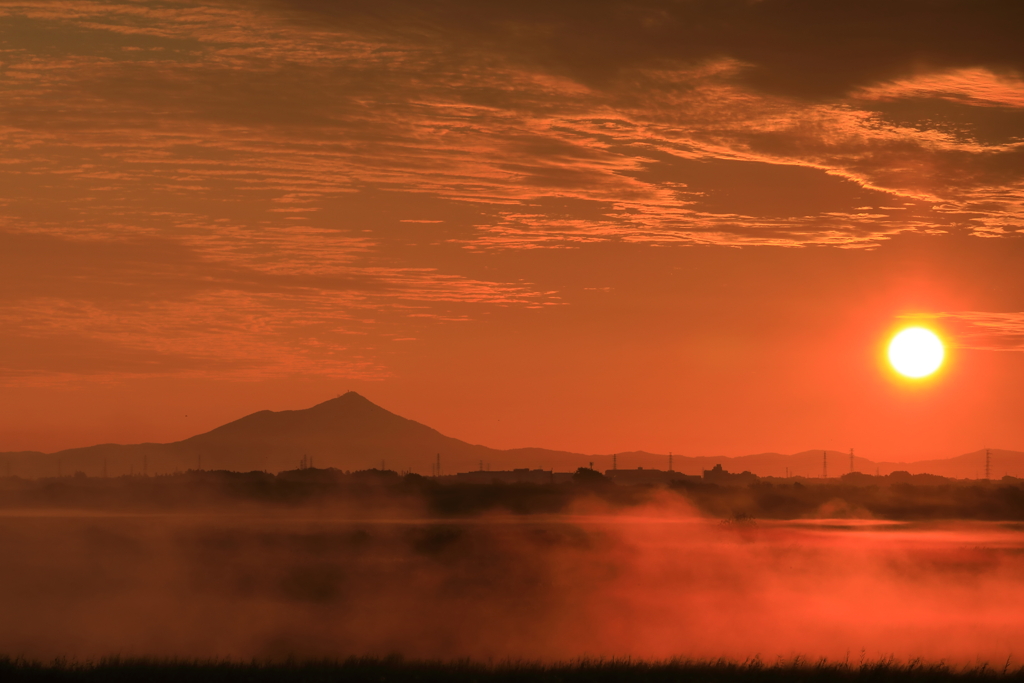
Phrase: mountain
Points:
(968, 466)
(348, 432)
(351, 433)
(812, 464)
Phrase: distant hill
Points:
(810, 464)
(351, 433)
(966, 466)
(348, 432)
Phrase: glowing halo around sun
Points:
(916, 352)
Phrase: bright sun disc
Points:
(916, 352)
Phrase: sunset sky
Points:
(686, 226)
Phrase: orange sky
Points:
(592, 226)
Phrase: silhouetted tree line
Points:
(838, 499)
(899, 496)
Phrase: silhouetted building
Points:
(522, 475)
(644, 476)
(904, 477)
(717, 475)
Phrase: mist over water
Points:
(654, 582)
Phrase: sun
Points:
(916, 352)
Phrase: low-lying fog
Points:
(656, 582)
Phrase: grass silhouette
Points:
(398, 670)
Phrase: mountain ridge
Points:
(350, 432)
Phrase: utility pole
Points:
(615, 465)
(670, 461)
(851, 461)
(438, 465)
(824, 464)
(988, 464)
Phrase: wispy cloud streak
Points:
(315, 167)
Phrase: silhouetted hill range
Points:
(351, 433)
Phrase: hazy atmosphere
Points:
(597, 227)
(399, 334)
(642, 585)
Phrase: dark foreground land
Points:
(399, 671)
(898, 497)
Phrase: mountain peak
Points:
(348, 401)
